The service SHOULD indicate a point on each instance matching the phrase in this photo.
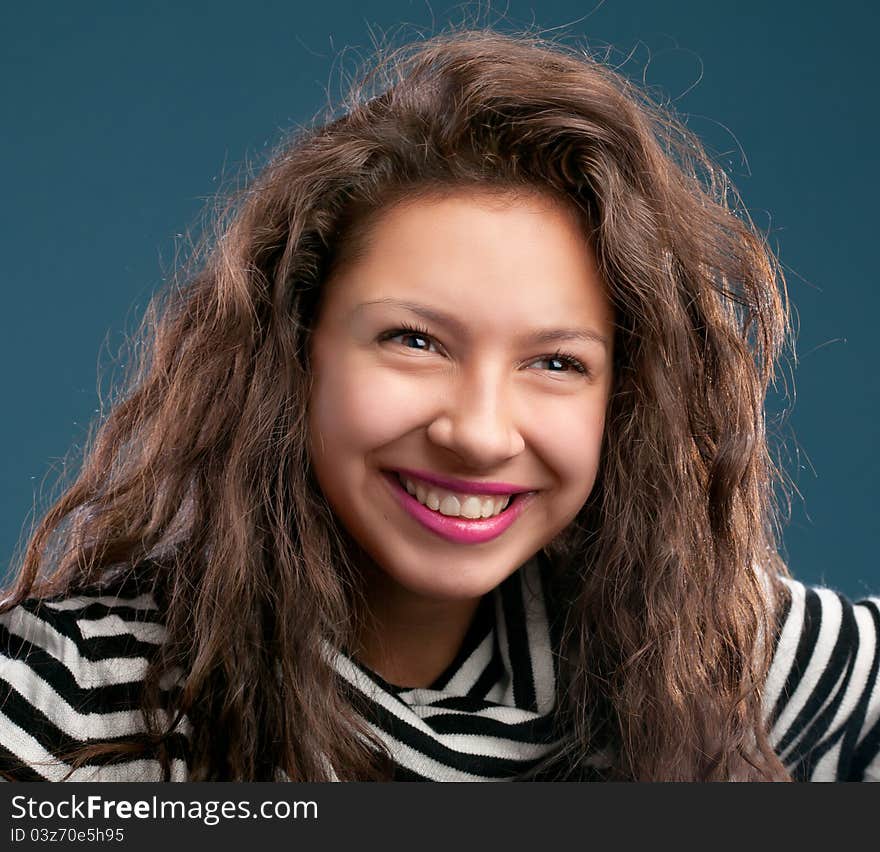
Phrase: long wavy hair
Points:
(199, 485)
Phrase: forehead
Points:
(502, 260)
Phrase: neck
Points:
(407, 639)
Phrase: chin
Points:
(451, 582)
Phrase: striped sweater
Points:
(70, 672)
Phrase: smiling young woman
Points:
(435, 373)
(447, 463)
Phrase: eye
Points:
(412, 337)
(562, 362)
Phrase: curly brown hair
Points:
(199, 481)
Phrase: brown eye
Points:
(416, 341)
(410, 338)
(562, 363)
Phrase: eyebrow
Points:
(549, 335)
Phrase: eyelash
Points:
(558, 355)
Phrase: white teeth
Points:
(472, 507)
(456, 505)
(449, 505)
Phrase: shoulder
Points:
(90, 640)
(822, 695)
(71, 672)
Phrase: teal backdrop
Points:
(121, 120)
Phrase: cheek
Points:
(567, 435)
(356, 406)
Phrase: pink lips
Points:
(458, 530)
(463, 486)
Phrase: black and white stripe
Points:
(822, 695)
(71, 671)
(490, 721)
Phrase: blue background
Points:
(121, 121)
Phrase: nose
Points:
(476, 423)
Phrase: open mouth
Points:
(496, 506)
(460, 529)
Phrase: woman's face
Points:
(437, 370)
